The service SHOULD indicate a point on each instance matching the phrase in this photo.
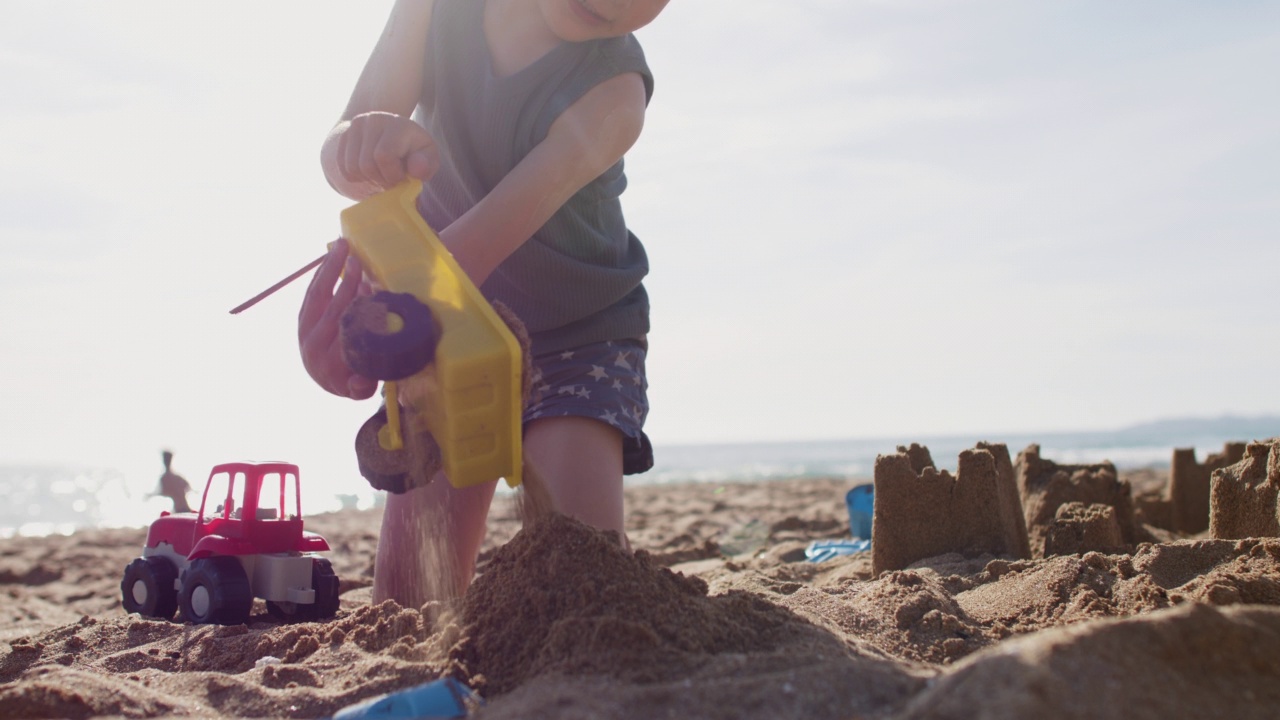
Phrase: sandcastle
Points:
(1038, 508)
(1034, 508)
(1045, 486)
(1189, 482)
(1243, 496)
(922, 512)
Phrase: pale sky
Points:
(863, 219)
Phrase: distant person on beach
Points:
(516, 115)
(173, 486)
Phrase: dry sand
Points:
(562, 623)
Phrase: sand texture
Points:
(1063, 602)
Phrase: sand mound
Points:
(1191, 662)
(170, 667)
(583, 605)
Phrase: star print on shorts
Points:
(604, 381)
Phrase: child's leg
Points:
(579, 462)
(429, 542)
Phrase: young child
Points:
(521, 113)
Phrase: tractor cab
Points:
(250, 508)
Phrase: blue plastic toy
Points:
(861, 502)
(822, 550)
(439, 699)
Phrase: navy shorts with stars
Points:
(604, 381)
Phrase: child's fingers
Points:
(325, 331)
(387, 157)
(352, 278)
(348, 153)
(320, 290)
(318, 320)
(422, 163)
(377, 159)
(325, 365)
(352, 152)
(360, 387)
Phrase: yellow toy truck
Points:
(451, 366)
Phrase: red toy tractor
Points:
(213, 563)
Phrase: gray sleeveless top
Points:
(578, 279)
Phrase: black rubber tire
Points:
(325, 582)
(374, 352)
(147, 588)
(388, 470)
(216, 590)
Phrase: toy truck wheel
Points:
(216, 590)
(389, 470)
(147, 588)
(325, 583)
(388, 336)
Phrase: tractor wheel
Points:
(147, 588)
(388, 336)
(216, 590)
(325, 583)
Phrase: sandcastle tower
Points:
(1012, 523)
(1243, 497)
(922, 512)
(1078, 529)
(1045, 486)
(1189, 485)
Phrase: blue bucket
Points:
(860, 501)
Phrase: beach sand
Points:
(718, 614)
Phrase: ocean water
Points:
(44, 499)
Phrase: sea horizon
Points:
(59, 498)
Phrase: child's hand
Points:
(322, 308)
(381, 149)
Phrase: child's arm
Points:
(375, 144)
(587, 139)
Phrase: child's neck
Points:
(517, 35)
